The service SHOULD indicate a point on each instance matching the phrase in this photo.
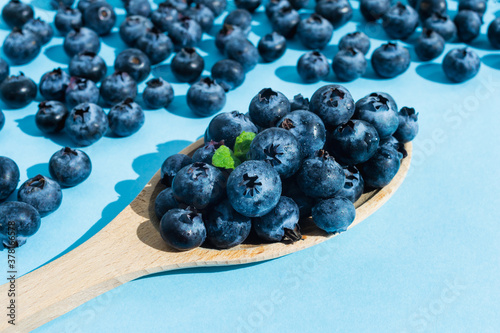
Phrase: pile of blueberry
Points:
(283, 161)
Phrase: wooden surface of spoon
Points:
(130, 246)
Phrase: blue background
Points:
(427, 261)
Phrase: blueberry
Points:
(187, 65)
(137, 7)
(228, 126)
(2, 120)
(118, 87)
(299, 102)
(250, 5)
(81, 40)
(298, 4)
(53, 84)
(320, 176)
(183, 229)
(338, 12)
(201, 14)
(226, 227)
(100, 17)
(372, 10)
(240, 18)
(313, 67)
(42, 193)
(51, 116)
(216, 6)
(172, 165)
(88, 65)
(21, 46)
(84, 4)
(400, 21)
(18, 91)
(267, 107)
(408, 125)
(442, 25)
(41, 29)
(125, 118)
(206, 97)
(380, 112)
(19, 217)
(333, 104)
(272, 47)
(156, 45)
(227, 33)
(427, 7)
(164, 202)
(9, 177)
(134, 27)
(185, 32)
(16, 13)
(390, 60)
(158, 94)
(180, 5)
(478, 6)
(334, 215)
(349, 64)
(4, 70)
(199, 185)
(272, 6)
(307, 128)
(242, 51)
(254, 188)
(293, 191)
(353, 185)
(58, 3)
(429, 45)
(228, 73)
(206, 152)
(391, 142)
(164, 16)
(285, 21)
(461, 64)
(353, 142)
(280, 224)
(356, 40)
(67, 19)
(468, 25)
(314, 32)
(493, 33)
(70, 167)
(81, 90)
(279, 148)
(135, 63)
(379, 170)
(86, 124)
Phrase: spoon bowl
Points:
(130, 246)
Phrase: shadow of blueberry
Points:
(373, 30)
(481, 43)
(38, 169)
(288, 74)
(491, 60)
(433, 72)
(114, 41)
(28, 126)
(42, 4)
(163, 71)
(179, 108)
(57, 54)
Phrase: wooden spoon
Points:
(130, 246)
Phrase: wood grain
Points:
(130, 247)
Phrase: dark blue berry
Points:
(468, 25)
(280, 224)
(298, 4)
(338, 12)
(206, 152)
(81, 90)
(228, 126)
(390, 60)
(21, 218)
(408, 125)
(333, 104)
(135, 63)
(164, 202)
(206, 97)
(125, 118)
(356, 40)
(16, 13)
(158, 94)
(70, 167)
(172, 165)
(183, 229)
(42, 193)
(216, 6)
(137, 7)
(353, 185)
(314, 32)
(58, 3)
(267, 107)
(53, 84)
(86, 124)
(134, 27)
(293, 191)
(373, 10)
(349, 64)
(21, 46)
(118, 87)
(426, 8)
(285, 21)
(478, 6)
(334, 215)
(299, 102)
(9, 177)
(227, 33)
(379, 170)
(461, 64)
(240, 18)
(67, 19)
(2, 120)
(442, 25)
(51, 116)
(84, 4)
(88, 65)
(380, 112)
(41, 29)
(250, 5)
(228, 73)
(429, 45)
(272, 6)
(242, 51)
(100, 17)
(81, 40)
(313, 67)
(201, 14)
(164, 16)
(156, 45)
(187, 65)
(185, 32)
(18, 91)
(494, 33)
(272, 47)
(226, 227)
(400, 21)
(4, 69)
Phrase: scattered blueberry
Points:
(240, 18)
(134, 27)
(172, 165)
(125, 118)
(281, 223)
(84, 4)
(216, 6)
(158, 94)
(70, 167)
(429, 45)
(137, 7)
(478, 6)
(461, 64)
(349, 64)
(226, 33)
(201, 14)
(18, 91)
(442, 25)
(426, 8)
(353, 185)
(16, 13)
(400, 21)
(21, 46)
(254, 188)
(314, 32)
(380, 112)
(118, 87)
(272, 47)
(51, 116)
(468, 25)
(81, 90)
(313, 67)
(67, 19)
(186, 32)
(164, 16)
(21, 217)
(81, 40)
(228, 126)
(299, 102)
(206, 152)
(408, 125)
(242, 51)
(228, 73)
(88, 65)
(9, 177)
(41, 29)
(298, 4)
(273, 6)
(2, 120)
(100, 17)
(494, 33)
(226, 227)
(372, 10)
(250, 5)
(187, 65)
(53, 84)
(86, 124)
(156, 45)
(334, 215)
(42, 193)
(206, 97)
(4, 70)
(333, 104)
(58, 3)
(164, 202)
(285, 21)
(379, 170)
(305, 203)
(180, 5)
(357, 40)
(390, 60)
(183, 229)
(338, 12)
(135, 63)
(267, 107)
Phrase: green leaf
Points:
(224, 158)
(242, 145)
